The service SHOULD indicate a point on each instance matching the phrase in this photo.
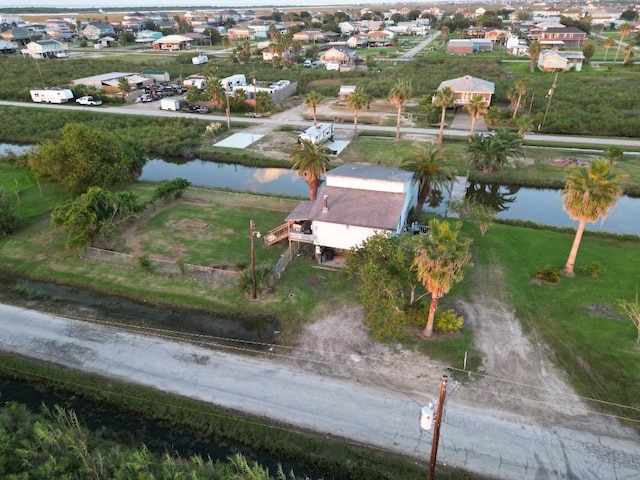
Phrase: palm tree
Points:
(476, 107)
(534, 53)
(521, 89)
(215, 91)
(430, 169)
(399, 94)
(628, 53)
(443, 99)
(440, 262)
(356, 101)
(124, 87)
(589, 194)
(492, 152)
(310, 160)
(624, 30)
(608, 43)
(311, 101)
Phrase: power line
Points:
(162, 333)
(209, 341)
(280, 427)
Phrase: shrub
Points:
(448, 322)
(593, 270)
(548, 274)
(263, 278)
(8, 216)
(143, 262)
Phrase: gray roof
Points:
(370, 171)
(363, 208)
(468, 84)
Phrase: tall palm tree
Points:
(608, 43)
(440, 263)
(311, 160)
(476, 107)
(311, 101)
(356, 101)
(624, 30)
(521, 89)
(534, 53)
(399, 94)
(430, 168)
(588, 195)
(443, 99)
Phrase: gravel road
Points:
(493, 443)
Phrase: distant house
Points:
(356, 202)
(309, 36)
(94, 31)
(459, 47)
(345, 91)
(45, 49)
(571, 37)
(240, 33)
(467, 87)
(343, 56)
(560, 61)
(20, 35)
(172, 42)
(147, 36)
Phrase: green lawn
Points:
(578, 318)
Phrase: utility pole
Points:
(436, 428)
(549, 96)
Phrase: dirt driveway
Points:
(516, 375)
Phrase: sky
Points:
(138, 4)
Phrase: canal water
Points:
(542, 206)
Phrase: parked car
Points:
(88, 100)
(144, 98)
(253, 114)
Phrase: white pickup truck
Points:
(88, 100)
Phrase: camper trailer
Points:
(51, 95)
(199, 60)
(322, 132)
(234, 81)
(195, 82)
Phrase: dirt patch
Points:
(565, 162)
(516, 375)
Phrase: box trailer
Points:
(169, 104)
(322, 132)
(51, 95)
(199, 60)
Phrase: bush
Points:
(447, 322)
(593, 270)
(143, 262)
(8, 216)
(548, 274)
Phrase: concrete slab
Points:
(239, 140)
(337, 146)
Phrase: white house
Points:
(565, 60)
(356, 202)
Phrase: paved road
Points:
(153, 109)
(487, 442)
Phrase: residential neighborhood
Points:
(368, 241)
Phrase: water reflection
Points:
(498, 197)
(282, 181)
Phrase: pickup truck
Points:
(88, 100)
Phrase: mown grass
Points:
(577, 318)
